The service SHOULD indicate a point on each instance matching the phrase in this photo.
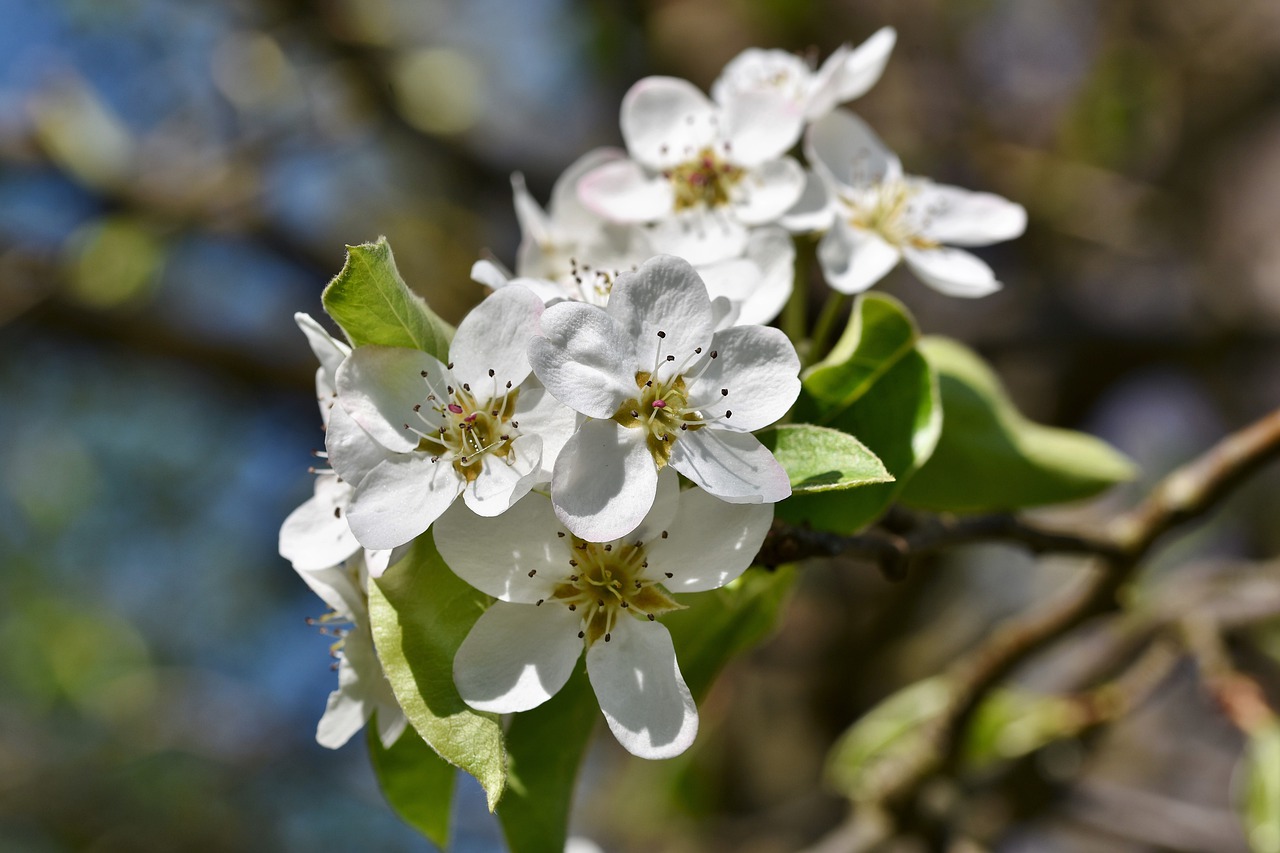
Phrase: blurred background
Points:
(177, 177)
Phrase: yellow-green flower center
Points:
(705, 181)
(607, 579)
(886, 209)
(464, 429)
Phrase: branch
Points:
(1186, 494)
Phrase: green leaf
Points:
(892, 731)
(416, 782)
(874, 385)
(990, 457)
(1260, 804)
(1012, 723)
(820, 459)
(373, 305)
(721, 623)
(421, 612)
(545, 748)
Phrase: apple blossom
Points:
(660, 387)
(362, 686)
(479, 426)
(558, 593)
(700, 174)
(876, 216)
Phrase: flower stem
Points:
(826, 323)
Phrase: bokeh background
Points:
(177, 177)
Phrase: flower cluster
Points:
(595, 414)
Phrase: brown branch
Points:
(1188, 493)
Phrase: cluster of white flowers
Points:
(625, 348)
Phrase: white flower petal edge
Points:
(522, 565)
(853, 259)
(604, 481)
(733, 466)
(700, 562)
(316, 535)
(491, 346)
(954, 272)
(664, 119)
(516, 657)
(643, 696)
(959, 217)
(849, 74)
(400, 498)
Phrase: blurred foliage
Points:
(176, 179)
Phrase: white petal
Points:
(666, 502)
(954, 272)
(625, 192)
(759, 368)
(517, 656)
(391, 724)
(850, 74)
(400, 498)
(724, 313)
(494, 336)
(315, 535)
(959, 217)
(379, 386)
(352, 452)
(665, 296)
(500, 484)
(710, 543)
(773, 251)
(569, 218)
(329, 351)
(534, 222)
(489, 274)
(814, 210)
(666, 120)
(344, 713)
(853, 259)
(767, 192)
(700, 236)
(541, 414)
(584, 358)
(641, 691)
(604, 481)
(733, 466)
(756, 69)
(842, 148)
(760, 125)
(495, 555)
(336, 587)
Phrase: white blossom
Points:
(558, 593)
(774, 75)
(660, 387)
(479, 426)
(362, 686)
(875, 216)
(699, 174)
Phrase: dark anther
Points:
(504, 437)
(599, 602)
(671, 358)
(684, 426)
(728, 413)
(651, 617)
(634, 413)
(424, 374)
(664, 534)
(538, 603)
(450, 365)
(466, 386)
(508, 383)
(581, 635)
(573, 607)
(516, 424)
(532, 572)
(560, 533)
(724, 392)
(669, 575)
(491, 371)
(337, 512)
(417, 407)
(573, 563)
(608, 637)
(625, 604)
(715, 354)
(661, 334)
(697, 350)
(608, 547)
(449, 388)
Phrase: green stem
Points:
(831, 311)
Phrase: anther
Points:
(449, 388)
(669, 575)
(659, 404)
(728, 413)
(423, 374)
(580, 634)
(504, 438)
(516, 424)
(664, 534)
(608, 547)
(608, 637)
(599, 602)
(337, 512)
(697, 350)
(463, 460)
(417, 407)
(661, 334)
(634, 413)
(684, 426)
(644, 565)
(466, 386)
(671, 358)
(560, 533)
(450, 365)
(508, 383)
(538, 603)
(532, 572)
(455, 408)
(625, 605)
(715, 354)
(491, 371)
(573, 607)
(573, 563)
(493, 413)
(724, 392)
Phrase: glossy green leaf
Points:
(877, 387)
(892, 731)
(1260, 803)
(721, 623)
(373, 305)
(990, 457)
(544, 750)
(821, 459)
(416, 782)
(421, 612)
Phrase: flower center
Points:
(663, 409)
(887, 209)
(705, 181)
(464, 429)
(607, 578)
